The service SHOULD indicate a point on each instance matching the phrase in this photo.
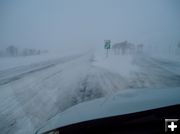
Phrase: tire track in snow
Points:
(98, 83)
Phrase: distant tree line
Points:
(12, 51)
(126, 47)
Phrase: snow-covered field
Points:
(13, 62)
(34, 91)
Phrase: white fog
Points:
(59, 54)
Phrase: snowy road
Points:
(31, 95)
(16, 73)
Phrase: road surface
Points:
(31, 95)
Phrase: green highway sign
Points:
(107, 44)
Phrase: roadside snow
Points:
(169, 62)
(169, 57)
(12, 62)
(121, 64)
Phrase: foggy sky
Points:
(83, 23)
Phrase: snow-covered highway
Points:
(31, 95)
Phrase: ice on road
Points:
(33, 94)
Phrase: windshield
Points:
(57, 54)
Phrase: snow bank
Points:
(122, 64)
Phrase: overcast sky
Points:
(81, 23)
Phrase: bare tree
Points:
(12, 51)
(123, 47)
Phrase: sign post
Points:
(107, 46)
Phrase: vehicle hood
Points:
(119, 103)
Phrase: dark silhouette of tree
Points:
(123, 47)
(12, 51)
